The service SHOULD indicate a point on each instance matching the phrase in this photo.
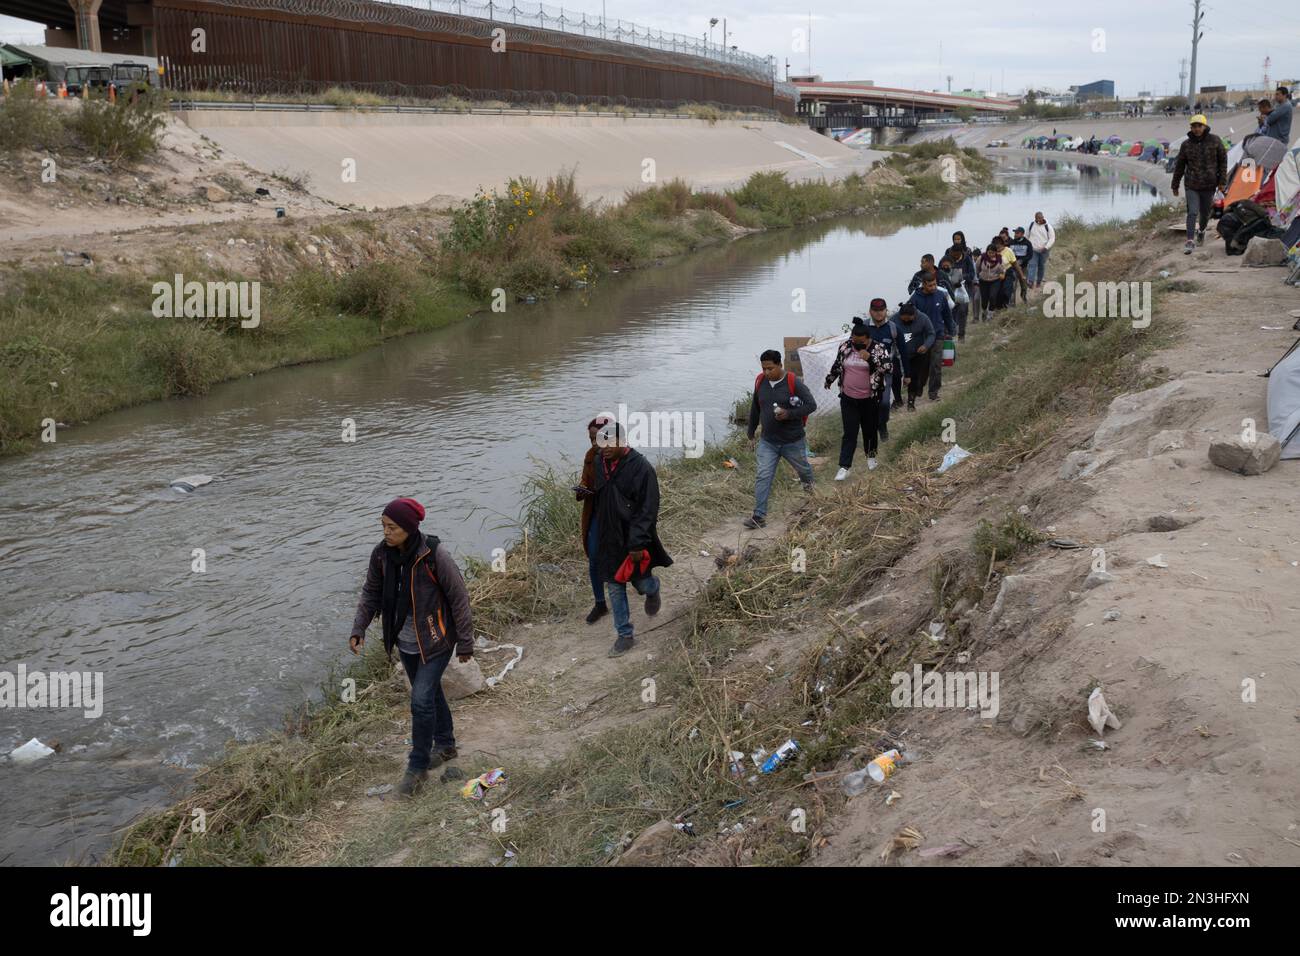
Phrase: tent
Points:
(1114, 140)
(1251, 177)
(1135, 150)
(1284, 401)
(1286, 181)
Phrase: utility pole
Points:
(1197, 17)
(1182, 76)
(949, 82)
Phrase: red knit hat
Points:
(406, 513)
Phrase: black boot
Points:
(597, 612)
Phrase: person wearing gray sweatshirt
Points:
(781, 404)
(915, 343)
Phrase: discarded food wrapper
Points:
(1099, 714)
(688, 828)
(380, 790)
(1157, 561)
(893, 796)
(476, 788)
(730, 463)
(883, 766)
(955, 454)
(30, 752)
(936, 630)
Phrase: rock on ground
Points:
(1262, 251)
(652, 848)
(1246, 458)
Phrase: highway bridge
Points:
(856, 105)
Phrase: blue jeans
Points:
(795, 452)
(593, 545)
(430, 715)
(618, 601)
(1038, 266)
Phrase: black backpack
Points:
(1240, 223)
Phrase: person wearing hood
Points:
(1203, 163)
(589, 529)
(626, 514)
(915, 342)
(961, 254)
(413, 584)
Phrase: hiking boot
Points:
(934, 396)
(1188, 246)
(597, 612)
(754, 521)
(911, 404)
(622, 646)
(842, 474)
(441, 755)
(1200, 237)
(807, 487)
(411, 783)
(884, 433)
(652, 603)
(871, 464)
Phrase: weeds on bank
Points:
(121, 132)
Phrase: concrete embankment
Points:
(1234, 125)
(400, 159)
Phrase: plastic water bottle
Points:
(782, 754)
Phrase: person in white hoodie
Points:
(1042, 237)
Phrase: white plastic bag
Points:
(955, 454)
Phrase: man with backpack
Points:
(413, 584)
(781, 404)
(1203, 163)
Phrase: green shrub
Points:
(189, 357)
(378, 290)
(125, 131)
(28, 121)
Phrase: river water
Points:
(95, 548)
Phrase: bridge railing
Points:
(588, 25)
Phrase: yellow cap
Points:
(1199, 118)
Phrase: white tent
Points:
(1284, 402)
(1287, 180)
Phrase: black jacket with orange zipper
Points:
(440, 611)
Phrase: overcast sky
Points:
(1029, 42)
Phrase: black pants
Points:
(959, 313)
(989, 294)
(919, 372)
(858, 413)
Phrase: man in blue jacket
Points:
(933, 302)
(781, 403)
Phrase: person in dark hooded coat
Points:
(626, 513)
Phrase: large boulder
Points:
(1140, 415)
(1262, 251)
(1246, 458)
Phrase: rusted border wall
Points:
(283, 45)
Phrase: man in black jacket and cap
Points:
(627, 516)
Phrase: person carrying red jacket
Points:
(414, 586)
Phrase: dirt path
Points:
(1198, 659)
(565, 689)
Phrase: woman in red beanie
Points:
(414, 585)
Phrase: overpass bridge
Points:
(849, 105)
